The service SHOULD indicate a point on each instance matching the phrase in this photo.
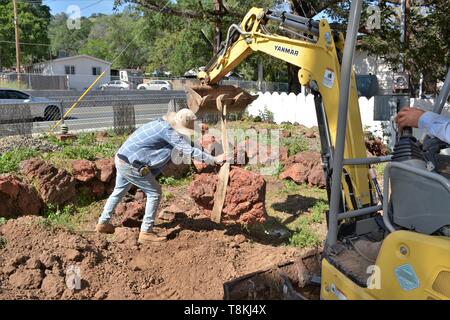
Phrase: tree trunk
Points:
(301, 8)
(293, 82)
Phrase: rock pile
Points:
(244, 200)
(305, 167)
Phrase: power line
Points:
(27, 43)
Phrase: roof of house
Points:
(78, 56)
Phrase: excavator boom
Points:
(316, 51)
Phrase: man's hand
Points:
(220, 159)
(409, 117)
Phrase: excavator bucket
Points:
(203, 99)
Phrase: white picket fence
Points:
(300, 108)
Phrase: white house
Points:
(81, 70)
(366, 64)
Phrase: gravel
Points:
(16, 142)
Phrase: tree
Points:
(426, 49)
(68, 39)
(120, 38)
(34, 19)
(187, 32)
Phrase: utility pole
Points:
(217, 26)
(16, 31)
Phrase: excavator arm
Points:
(316, 51)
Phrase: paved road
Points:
(97, 112)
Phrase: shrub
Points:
(295, 145)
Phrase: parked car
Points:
(161, 85)
(41, 108)
(117, 85)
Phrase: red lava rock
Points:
(95, 188)
(317, 177)
(244, 200)
(305, 167)
(176, 171)
(286, 134)
(140, 195)
(376, 147)
(109, 188)
(17, 198)
(106, 169)
(310, 134)
(55, 186)
(169, 213)
(131, 213)
(84, 170)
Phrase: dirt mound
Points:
(305, 167)
(244, 200)
(17, 198)
(376, 147)
(38, 262)
(55, 186)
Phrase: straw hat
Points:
(182, 121)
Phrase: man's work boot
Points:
(104, 228)
(149, 237)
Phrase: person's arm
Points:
(177, 141)
(436, 125)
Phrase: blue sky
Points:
(87, 7)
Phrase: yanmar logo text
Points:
(287, 50)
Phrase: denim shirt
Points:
(155, 142)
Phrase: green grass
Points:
(379, 168)
(167, 195)
(86, 147)
(2, 221)
(295, 145)
(303, 235)
(9, 161)
(318, 211)
(289, 187)
(18, 85)
(3, 242)
(60, 217)
(171, 181)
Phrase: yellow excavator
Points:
(390, 244)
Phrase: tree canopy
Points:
(34, 19)
(180, 35)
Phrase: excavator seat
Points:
(420, 202)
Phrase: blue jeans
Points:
(127, 175)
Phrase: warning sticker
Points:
(328, 78)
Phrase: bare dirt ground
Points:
(199, 257)
(40, 255)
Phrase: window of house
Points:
(96, 71)
(69, 69)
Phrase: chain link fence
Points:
(101, 112)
